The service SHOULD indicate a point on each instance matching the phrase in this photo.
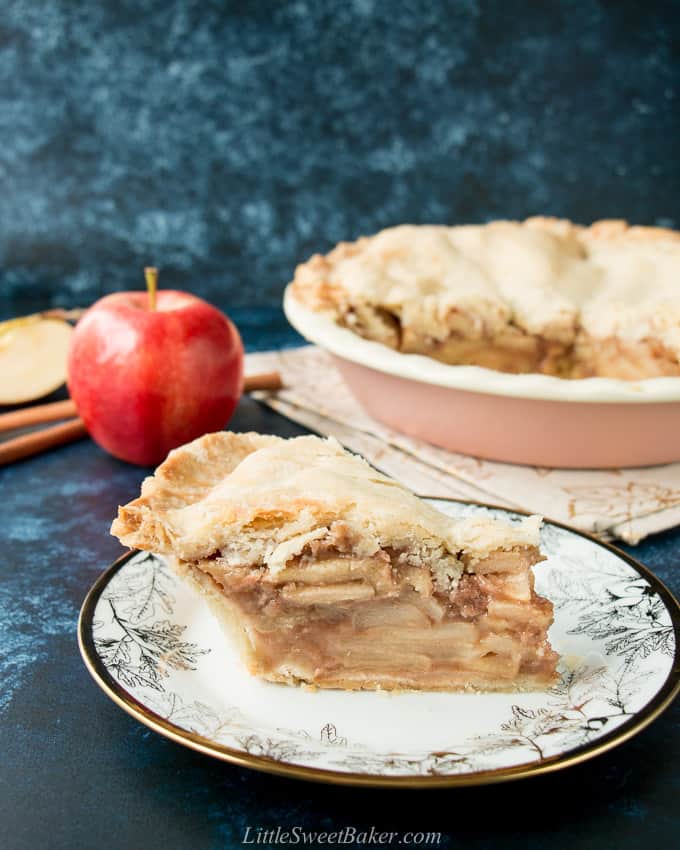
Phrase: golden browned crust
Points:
(606, 228)
(543, 295)
(311, 285)
(222, 485)
(185, 477)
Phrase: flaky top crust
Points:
(264, 497)
(547, 276)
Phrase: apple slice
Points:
(33, 354)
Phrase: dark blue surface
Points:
(77, 772)
(227, 141)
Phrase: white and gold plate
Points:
(151, 643)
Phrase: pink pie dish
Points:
(596, 423)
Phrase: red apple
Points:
(148, 378)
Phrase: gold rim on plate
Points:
(659, 703)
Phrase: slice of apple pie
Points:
(329, 573)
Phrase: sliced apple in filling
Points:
(328, 573)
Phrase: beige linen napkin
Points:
(620, 503)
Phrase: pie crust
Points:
(328, 573)
(543, 295)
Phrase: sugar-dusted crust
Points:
(541, 295)
(269, 497)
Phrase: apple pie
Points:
(543, 295)
(328, 573)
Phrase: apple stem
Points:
(151, 276)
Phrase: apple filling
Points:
(466, 342)
(333, 616)
(511, 351)
(514, 350)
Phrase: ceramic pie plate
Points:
(152, 645)
(534, 419)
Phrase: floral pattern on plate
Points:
(155, 640)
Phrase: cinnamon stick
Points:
(37, 414)
(265, 381)
(41, 441)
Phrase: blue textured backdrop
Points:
(227, 141)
